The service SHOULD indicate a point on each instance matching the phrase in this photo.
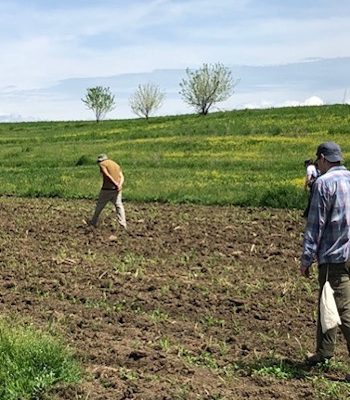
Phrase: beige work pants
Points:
(115, 198)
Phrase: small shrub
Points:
(275, 130)
(83, 160)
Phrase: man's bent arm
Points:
(109, 176)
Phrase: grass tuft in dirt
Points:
(32, 362)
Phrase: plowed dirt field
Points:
(195, 302)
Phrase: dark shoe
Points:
(87, 222)
(314, 359)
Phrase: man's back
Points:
(114, 170)
(328, 227)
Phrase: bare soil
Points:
(192, 303)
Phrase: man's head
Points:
(308, 162)
(328, 154)
(102, 157)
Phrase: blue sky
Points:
(43, 42)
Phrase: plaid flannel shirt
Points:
(327, 233)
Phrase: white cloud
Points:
(311, 101)
(44, 44)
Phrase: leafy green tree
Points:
(206, 86)
(146, 100)
(100, 100)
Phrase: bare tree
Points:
(100, 100)
(206, 86)
(146, 100)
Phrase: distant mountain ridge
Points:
(318, 74)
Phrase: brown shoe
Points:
(314, 359)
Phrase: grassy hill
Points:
(247, 157)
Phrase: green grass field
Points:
(248, 157)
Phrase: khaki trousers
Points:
(339, 279)
(115, 198)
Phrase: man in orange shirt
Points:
(111, 190)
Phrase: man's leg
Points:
(119, 207)
(103, 198)
(325, 342)
(342, 298)
(339, 279)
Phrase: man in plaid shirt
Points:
(327, 237)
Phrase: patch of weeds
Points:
(32, 362)
(204, 289)
(237, 326)
(308, 288)
(223, 348)
(232, 370)
(209, 321)
(329, 390)
(181, 392)
(248, 289)
(222, 281)
(266, 338)
(127, 374)
(165, 289)
(164, 343)
(153, 378)
(339, 366)
(158, 315)
(188, 257)
(120, 306)
(204, 359)
(98, 304)
(280, 369)
(131, 264)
